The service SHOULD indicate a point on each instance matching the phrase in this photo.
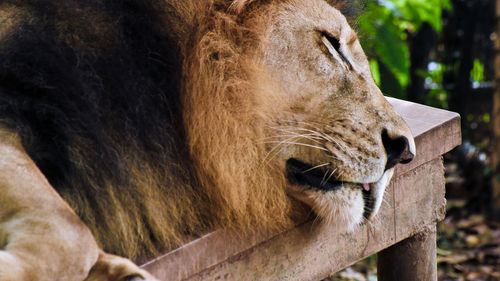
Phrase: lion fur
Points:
(143, 115)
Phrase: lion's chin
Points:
(342, 205)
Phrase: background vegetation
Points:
(441, 53)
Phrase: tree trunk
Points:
(421, 45)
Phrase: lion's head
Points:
(157, 120)
(280, 101)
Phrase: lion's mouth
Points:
(304, 174)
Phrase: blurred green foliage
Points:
(436, 95)
(384, 28)
(477, 72)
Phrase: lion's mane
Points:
(225, 118)
(146, 116)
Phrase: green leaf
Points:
(384, 40)
(389, 84)
(418, 11)
(383, 32)
(375, 71)
(486, 118)
(477, 71)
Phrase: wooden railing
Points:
(403, 233)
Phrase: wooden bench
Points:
(403, 233)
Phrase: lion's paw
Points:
(114, 268)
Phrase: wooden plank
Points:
(311, 251)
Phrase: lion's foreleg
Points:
(41, 238)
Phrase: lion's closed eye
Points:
(332, 44)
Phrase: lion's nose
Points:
(397, 149)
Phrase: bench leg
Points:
(413, 259)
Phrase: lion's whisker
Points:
(331, 174)
(300, 144)
(304, 136)
(300, 129)
(323, 181)
(327, 137)
(317, 166)
(273, 151)
(293, 135)
(316, 132)
(294, 131)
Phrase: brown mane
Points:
(225, 125)
(156, 134)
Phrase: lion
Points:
(130, 127)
